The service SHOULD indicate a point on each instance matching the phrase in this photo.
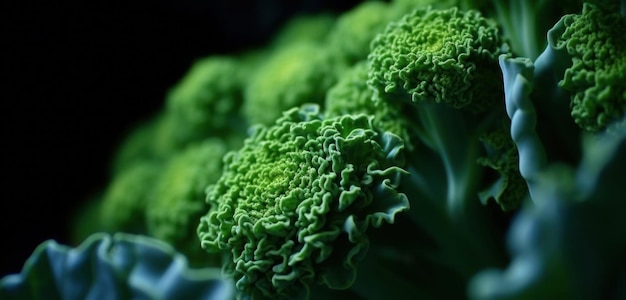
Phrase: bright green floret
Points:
(444, 56)
(207, 100)
(290, 76)
(596, 42)
(178, 201)
(293, 206)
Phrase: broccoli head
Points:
(596, 42)
(440, 55)
(294, 204)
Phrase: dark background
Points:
(78, 76)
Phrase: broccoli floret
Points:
(153, 140)
(290, 76)
(596, 42)
(444, 56)
(178, 200)
(207, 100)
(293, 206)
(113, 266)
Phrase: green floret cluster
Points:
(294, 204)
(596, 42)
(406, 149)
(460, 45)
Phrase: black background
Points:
(77, 76)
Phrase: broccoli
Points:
(293, 206)
(406, 6)
(391, 151)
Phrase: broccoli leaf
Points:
(119, 266)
